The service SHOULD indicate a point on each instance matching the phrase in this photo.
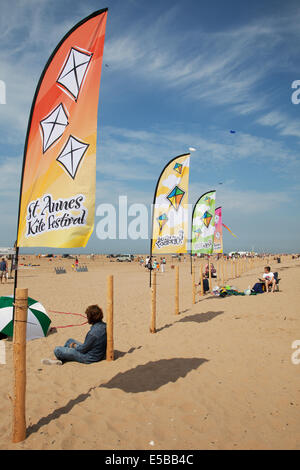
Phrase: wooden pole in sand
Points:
(153, 305)
(110, 319)
(177, 291)
(201, 281)
(194, 285)
(19, 356)
(222, 272)
(231, 262)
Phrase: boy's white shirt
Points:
(268, 276)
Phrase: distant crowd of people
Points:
(153, 263)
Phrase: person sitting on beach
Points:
(205, 285)
(212, 270)
(268, 279)
(94, 347)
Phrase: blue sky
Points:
(180, 74)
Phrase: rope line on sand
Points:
(68, 313)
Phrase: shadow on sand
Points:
(153, 375)
(143, 378)
(197, 318)
(201, 317)
(119, 354)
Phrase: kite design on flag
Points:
(198, 232)
(162, 220)
(53, 126)
(74, 71)
(208, 199)
(206, 218)
(175, 197)
(72, 154)
(178, 168)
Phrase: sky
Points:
(179, 74)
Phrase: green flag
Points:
(203, 224)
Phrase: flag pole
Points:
(153, 306)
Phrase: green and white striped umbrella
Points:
(38, 321)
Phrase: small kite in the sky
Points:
(232, 132)
(229, 230)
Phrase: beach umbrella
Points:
(38, 321)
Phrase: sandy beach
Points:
(218, 376)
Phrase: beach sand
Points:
(218, 376)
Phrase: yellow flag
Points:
(170, 211)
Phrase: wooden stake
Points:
(19, 356)
(209, 275)
(222, 274)
(110, 319)
(153, 305)
(201, 281)
(231, 262)
(177, 291)
(194, 286)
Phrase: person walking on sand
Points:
(3, 270)
(94, 347)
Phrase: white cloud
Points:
(281, 122)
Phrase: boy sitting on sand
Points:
(94, 347)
